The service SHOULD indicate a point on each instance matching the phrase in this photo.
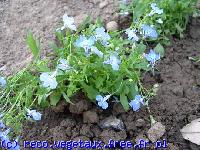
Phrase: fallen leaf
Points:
(191, 131)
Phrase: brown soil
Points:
(42, 17)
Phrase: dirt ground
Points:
(176, 104)
(42, 17)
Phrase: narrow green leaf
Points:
(32, 43)
(55, 98)
(124, 101)
(160, 49)
(67, 98)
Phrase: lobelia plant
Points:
(169, 17)
(104, 65)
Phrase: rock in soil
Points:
(156, 132)
(112, 26)
(90, 117)
(112, 122)
(103, 4)
(140, 123)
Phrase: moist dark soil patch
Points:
(176, 104)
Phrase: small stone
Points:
(103, 4)
(112, 26)
(80, 19)
(90, 117)
(178, 91)
(156, 132)
(140, 123)
(112, 122)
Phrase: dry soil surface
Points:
(42, 17)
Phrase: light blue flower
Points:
(63, 65)
(152, 57)
(149, 31)
(48, 81)
(102, 101)
(136, 103)
(4, 134)
(155, 10)
(159, 21)
(34, 115)
(2, 125)
(101, 35)
(85, 43)
(132, 35)
(114, 61)
(96, 51)
(2, 82)
(68, 23)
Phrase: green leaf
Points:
(32, 43)
(124, 101)
(90, 90)
(160, 49)
(67, 98)
(142, 65)
(55, 98)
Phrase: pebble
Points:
(156, 131)
(103, 4)
(112, 26)
(140, 123)
(112, 122)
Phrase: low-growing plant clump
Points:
(106, 66)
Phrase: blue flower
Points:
(68, 23)
(85, 43)
(48, 81)
(132, 35)
(102, 35)
(149, 31)
(152, 57)
(2, 82)
(63, 65)
(96, 51)
(34, 115)
(102, 101)
(155, 9)
(114, 61)
(136, 103)
(4, 134)
(2, 125)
